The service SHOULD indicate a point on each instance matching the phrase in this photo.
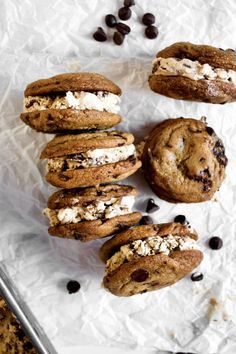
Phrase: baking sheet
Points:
(43, 38)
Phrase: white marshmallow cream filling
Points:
(192, 69)
(93, 211)
(150, 247)
(100, 101)
(91, 158)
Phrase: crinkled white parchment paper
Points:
(42, 38)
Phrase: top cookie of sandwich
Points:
(195, 72)
(84, 81)
(71, 102)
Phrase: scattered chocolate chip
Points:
(215, 243)
(210, 131)
(181, 219)
(123, 28)
(118, 38)
(140, 275)
(124, 13)
(73, 286)
(151, 32)
(110, 20)
(230, 50)
(151, 206)
(148, 19)
(146, 220)
(100, 35)
(197, 276)
(128, 3)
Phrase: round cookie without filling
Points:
(180, 87)
(144, 273)
(51, 120)
(66, 146)
(184, 161)
(98, 224)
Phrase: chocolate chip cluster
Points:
(121, 29)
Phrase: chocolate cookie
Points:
(71, 102)
(195, 72)
(149, 257)
(184, 161)
(90, 213)
(90, 159)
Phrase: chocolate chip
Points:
(110, 20)
(148, 19)
(197, 276)
(124, 13)
(210, 131)
(151, 206)
(27, 346)
(123, 28)
(140, 275)
(100, 35)
(151, 32)
(118, 38)
(63, 177)
(146, 220)
(128, 3)
(73, 286)
(219, 152)
(215, 243)
(207, 186)
(181, 219)
(20, 334)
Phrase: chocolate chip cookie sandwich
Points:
(71, 102)
(184, 160)
(149, 257)
(193, 72)
(90, 159)
(90, 213)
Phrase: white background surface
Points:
(42, 38)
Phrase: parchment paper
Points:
(42, 38)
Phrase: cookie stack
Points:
(80, 160)
(183, 160)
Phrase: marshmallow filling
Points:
(92, 211)
(149, 247)
(81, 100)
(91, 158)
(192, 69)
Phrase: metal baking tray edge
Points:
(24, 316)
